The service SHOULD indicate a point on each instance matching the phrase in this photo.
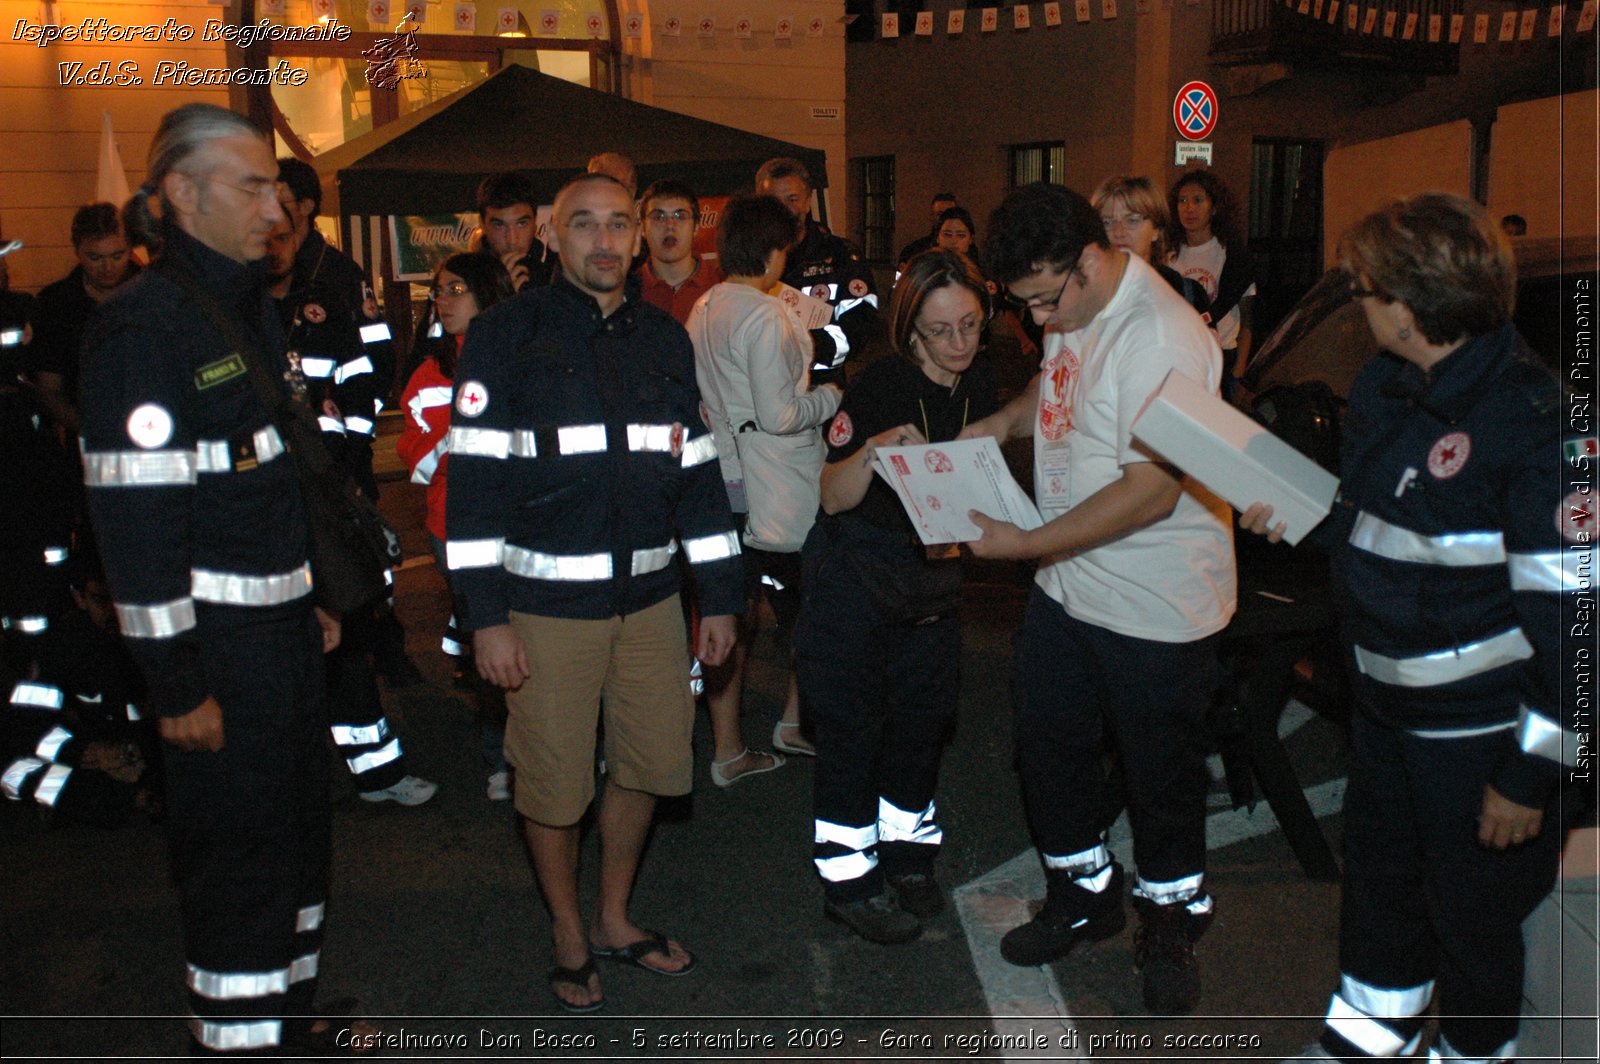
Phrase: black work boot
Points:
(1071, 914)
(918, 894)
(876, 919)
(1163, 948)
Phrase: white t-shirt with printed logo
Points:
(1203, 263)
(1174, 581)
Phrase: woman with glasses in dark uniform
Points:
(878, 640)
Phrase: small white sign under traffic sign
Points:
(1192, 151)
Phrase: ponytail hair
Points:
(183, 131)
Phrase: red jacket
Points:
(426, 405)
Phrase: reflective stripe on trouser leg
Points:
(1442, 1050)
(843, 853)
(1370, 1021)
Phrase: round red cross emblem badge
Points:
(1449, 454)
(841, 430)
(473, 399)
(314, 313)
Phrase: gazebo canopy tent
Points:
(431, 160)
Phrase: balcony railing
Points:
(1322, 33)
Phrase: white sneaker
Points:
(412, 790)
(500, 786)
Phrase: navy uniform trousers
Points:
(883, 698)
(250, 830)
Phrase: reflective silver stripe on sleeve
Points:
(581, 439)
(1446, 666)
(55, 555)
(841, 344)
(361, 735)
(133, 712)
(429, 465)
(354, 368)
(360, 425)
(375, 759)
(650, 438)
(317, 367)
(473, 553)
(25, 625)
(161, 621)
(234, 986)
(652, 559)
(1461, 733)
(309, 918)
(426, 399)
(239, 589)
(328, 423)
(50, 746)
(537, 565)
(698, 450)
(523, 444)
(37, 695)
(711, 548)
(1555, 570)
(303, 968)
(138, 469)
(215, 456)
(377, 332)
(482, 443)
(847, 305)
(1539, 735)
(1377, 536)
(225, 1037)
(17, 774)
(49, 788)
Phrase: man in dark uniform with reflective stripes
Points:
(826, 267)
(203, 533)
(579, 466)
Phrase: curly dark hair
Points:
(1224, 210)
(1039, 226)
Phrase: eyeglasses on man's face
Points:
(1045, 306)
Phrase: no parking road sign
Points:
(1194, 110)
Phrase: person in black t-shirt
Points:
(104, 265)
(878, 640)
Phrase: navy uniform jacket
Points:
(579, 465)
(323, 338)
(194, 501)
(1454, 545)
(364, 376)
(828, 267)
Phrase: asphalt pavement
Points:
(435, 927)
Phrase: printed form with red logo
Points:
(939, 482)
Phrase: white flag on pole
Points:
(111, 186)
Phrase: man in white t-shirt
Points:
(1136, 581)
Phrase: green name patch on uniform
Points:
(217, 372)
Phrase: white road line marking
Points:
(997, 901)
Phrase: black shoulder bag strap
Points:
(351, 544)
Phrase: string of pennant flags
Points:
(1366, 19)
(1357, 16)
